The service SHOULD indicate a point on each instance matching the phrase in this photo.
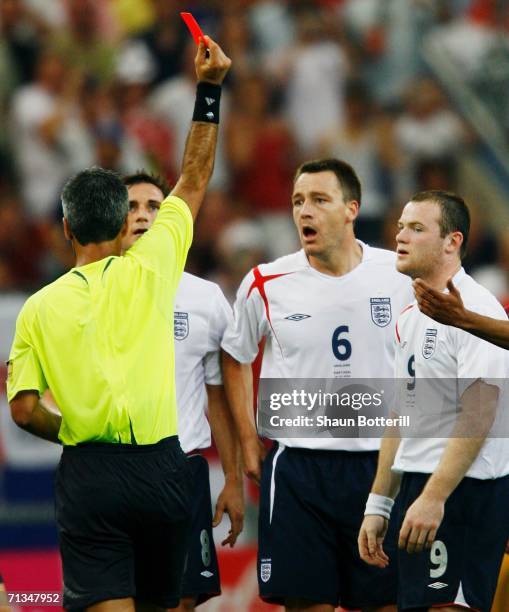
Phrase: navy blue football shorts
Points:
(201, 574)
(123, 522)
(311, 509)
(463, 563)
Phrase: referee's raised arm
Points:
(211, 67)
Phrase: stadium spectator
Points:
(473, 35)
(235, 34)
(165, 40)
(313, 71)
(20, 42)
(272, 27)
(95, 134)
(82, 42)
(261, 154)
(386, 38)
(365, 141)
(427, 128)
(39, 110)
(152, 135)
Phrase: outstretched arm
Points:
(448, 308)
(199, 154)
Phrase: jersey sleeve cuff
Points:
(237, 356)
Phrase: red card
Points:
(194, 28)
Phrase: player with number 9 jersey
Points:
(451, 464)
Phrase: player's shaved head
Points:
(455, 216)
(347, 178)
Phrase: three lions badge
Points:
(180, 325)
(381, 312)
(430, 343)
(265, 569)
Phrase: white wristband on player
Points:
(380, 505)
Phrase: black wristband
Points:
(206, 106)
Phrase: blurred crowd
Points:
(111, 82)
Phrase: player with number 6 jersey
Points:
(327, 311)
(321, 326)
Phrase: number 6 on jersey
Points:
(341, 347)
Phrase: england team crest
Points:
(381, 312)
(430, 343)
(180, 325)
(265, 571)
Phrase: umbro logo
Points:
(206, 574)
(297, 317)
(210, 101)
(437, 585)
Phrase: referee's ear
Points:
(67, 230)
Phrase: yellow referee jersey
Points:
(101, 338)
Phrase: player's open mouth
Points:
(308, 232)
(140, 231)
(401, 252)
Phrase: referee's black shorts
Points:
(123, 515)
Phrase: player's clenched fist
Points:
(370, 540)
(212, 66)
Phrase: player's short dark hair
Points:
(346, 175)
(147, 177)
(95, 205)
(455, 215)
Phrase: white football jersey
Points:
(320, 326)
(201, 314)
(438, 363)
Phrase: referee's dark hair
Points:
(95, 205)
(147, 177)
(347, 178)
(455, 216)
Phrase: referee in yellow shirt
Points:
(100, 338)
